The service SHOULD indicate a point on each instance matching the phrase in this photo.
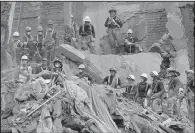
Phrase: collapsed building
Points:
(149, 27)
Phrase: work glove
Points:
(25, 43)
(93, 39)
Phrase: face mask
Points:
(80, 70)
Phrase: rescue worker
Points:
(43, 67)
(167, 53)
(113, 23)
(40, 42)
(71, 33)
(50, 41)
(113, 80)
(190, 92)
(174, 82)
(157, 90)
(87, 34)
(58, 68)
(130, 89)
(130, 46)
(15, 48)
(81, 74)
(142, 89)
(29, 44)
(24, 70)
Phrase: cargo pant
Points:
(87, 44)
(115, 40)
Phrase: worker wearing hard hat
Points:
(130, 89)
(15, 48)
(174, 82)
(50, 40)
(113, 23)
(29, 44)
(24, 70)
(82, 75)
(142, 89)
(190, 92)
(156, 91)
(113, 80)
(87, 34)
(130, 46)
(40, 42)
(74, 27)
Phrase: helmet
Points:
(113, 69)
(50, 22)
(28, 28)
(154, 73)
(44, 59)
(189, 71)
(87, 18)
(24, 57)
(131, 77)
(39, 28)
(130, 31)
(81, 66)
(16, 34)
(112, 10)
(144, 75)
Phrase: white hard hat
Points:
(82, 66)
(131, 77)
(144, 75)
(24, 57)
(155, 73)
(181, 90)
(87, 18)
(189, 71)
(130, 31)
(16, 34)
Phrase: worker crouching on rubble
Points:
(24, 70)
(142, 89)
(112, 80)
(113, 23)
(82, 75)
(87, 34)
(156, 92)
(130, 89)
(130, 46)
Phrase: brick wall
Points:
(155, 21)
(187, 13)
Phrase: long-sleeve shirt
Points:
(87, 30)
(112, 24)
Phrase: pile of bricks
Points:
(187, 13)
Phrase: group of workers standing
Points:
(161, 97)
(36, 48)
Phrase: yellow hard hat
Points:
(28, 28)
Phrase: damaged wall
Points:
(188, 22)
